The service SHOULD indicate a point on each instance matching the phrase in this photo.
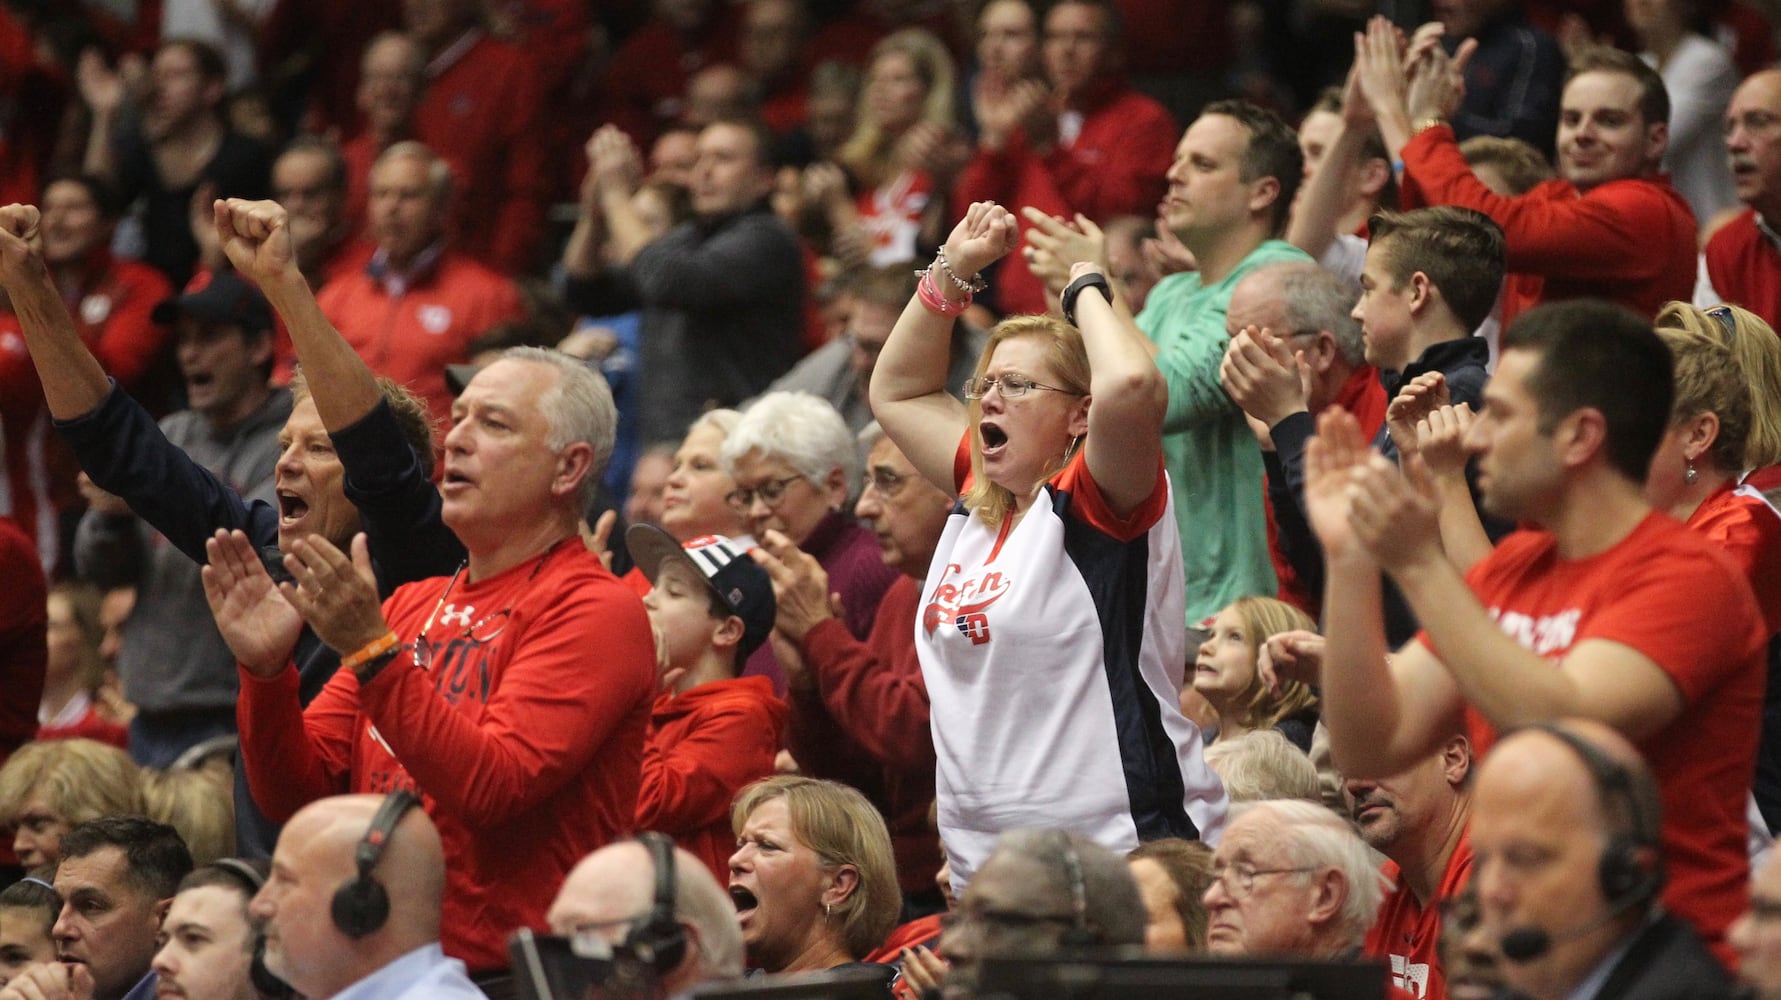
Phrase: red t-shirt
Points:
(526, 747)
(1747, 529)
(1673, 596)
(1408, 934)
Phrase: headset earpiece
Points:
(659, 940)
(361, 905)
(1630, 871)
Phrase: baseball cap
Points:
(218, 297)
(728, 569)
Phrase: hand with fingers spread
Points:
(1415, 399)
(101, 87)
(985, 235)
(1264, 377)
(800, 585)
(256, 621)
(1437, 88)
(1441, 440)
(335, 593)
(1290, 656)
(614, 161)
(1332, 460)
(1395, 514)
(1054, 246)
(256, 237)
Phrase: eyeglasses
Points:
(480, 631)
(1011, 386)
(771, 492)
(1239, 879)
(1727, 321)
(887, 483)
(1764, 909)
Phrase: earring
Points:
(1071, 450)
(828, 910)
(1690, 475)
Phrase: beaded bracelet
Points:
(975, 285)
(370, 651)
(931, 297)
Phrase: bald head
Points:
(614, 888)
(313, 859)
(1753, 142)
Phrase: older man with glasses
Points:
(1290, 878)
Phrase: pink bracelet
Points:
(936, 302)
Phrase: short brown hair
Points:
(1461, 251)
(1272, 151)
(1654, 97)
(1522, 166)
(1188, 863)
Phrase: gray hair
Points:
(1315, 299)
(1112, 908)
(438, 171)
(1318, 838)
(800, 428)
(1262, 764)
(579, 408)
(723, 420)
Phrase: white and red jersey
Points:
(1053, 653)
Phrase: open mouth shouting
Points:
(995, 439)
(745, 902)
(292, 508)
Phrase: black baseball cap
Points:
(218, 297)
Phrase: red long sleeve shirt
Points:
(526, 748)
(1630, 241)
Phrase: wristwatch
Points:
(1074, 288)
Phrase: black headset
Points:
(1631, 869)
(361, 905)
(252, 882)
(1080, 935)
(659, 940)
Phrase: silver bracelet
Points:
(972, 287)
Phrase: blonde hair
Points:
(868, 150)
(78, 779)
(1708, 380)
(1262, 618)
(1263, 764)
(83, 607)
(1758, 352)
(199, 803)
(1068, 359)
(841, 828)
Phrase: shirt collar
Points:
(393, 978)
(1768, 232)
(393, 282)
(449, 55)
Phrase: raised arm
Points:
(1128, 399)
(1320, 206)
(74, 384)
(908, 391)
(257, 239)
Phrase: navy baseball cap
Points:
(218, 297)
(728, 569)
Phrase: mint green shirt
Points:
(1215, 466)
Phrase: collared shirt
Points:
(424, 972)
(144, 988)
(1592, 983)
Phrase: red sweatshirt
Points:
(1630, 241)
(526, 747)
(703, 746)
(1115, 167)
(1745, 267)
(865, 722)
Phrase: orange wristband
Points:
(370, 651)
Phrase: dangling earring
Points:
(828, 910)
(1689, 474)
(1071, 450)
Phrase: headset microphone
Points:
(1524, 944)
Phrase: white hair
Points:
(803, 430)
(1318, 838)
(579, 408)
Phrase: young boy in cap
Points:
(711, 732)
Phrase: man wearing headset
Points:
(1568, 869)
(354, 902)
(656, 904)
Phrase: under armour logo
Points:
(463, 617)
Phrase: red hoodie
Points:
(703, 746)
